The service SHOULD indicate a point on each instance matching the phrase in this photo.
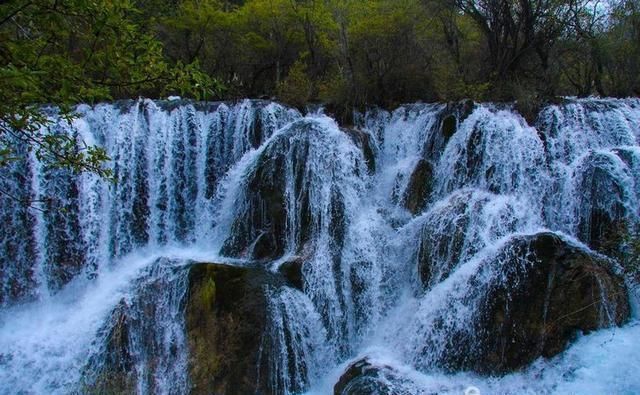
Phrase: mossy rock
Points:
(115, 373)
(419, 187)
(602, 212)
(549, 292)
(226, 315)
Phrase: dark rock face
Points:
(115, 371)
(550, 291)
(364, 378)
(419, 188)
(363, 141)
(454, 114)
(225, 320)
(292, 271)
(601, 209)
(260, 231)
(449, 126)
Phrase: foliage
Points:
(64, 52)
(386, 52)
(348, 54)
(296, 88)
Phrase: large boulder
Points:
(112, 371)
(367, 376)
(546, 293)
(225, 318)
(604, 193)
(260, 231)
(220, 343)
(295, 186)
(362, 378)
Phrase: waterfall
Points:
(426, 249)
(167, 161)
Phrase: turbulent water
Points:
(196, 182)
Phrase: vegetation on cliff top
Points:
(344, 53)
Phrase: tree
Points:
(64, 52)
(519, 32)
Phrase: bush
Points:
(296, 89)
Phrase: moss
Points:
(542, 304)
(225, 317)
(208, 293)
(110, 383)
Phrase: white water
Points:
(185, 176)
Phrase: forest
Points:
(340, 52)
(343, 54)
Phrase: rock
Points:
(449, 126)
(113, 370)
(292, 271)
(454, 114)
(364, 378)
(602, 195)
(549, 292)
(363, 141)
(260, 232)
(448, 235)
(257, 130)
(419, 187)
(225, 319)
(263, 225)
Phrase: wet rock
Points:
(277, 198)
(292, 271)
(419, 187)
(450, 233)
(257, 129)
(363, 141)
(449, 126)
(113, 370)
(454, 114)
(260, 231)
(548, 293)
(602, 194)
(364, 378)
(225, 320)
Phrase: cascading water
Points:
(418, 253)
